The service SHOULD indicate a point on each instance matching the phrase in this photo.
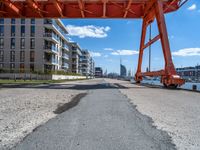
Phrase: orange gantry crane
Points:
(147, 10)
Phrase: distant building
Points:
(98, 72)
(129, 73)
(122, 70)
(85, 62)
(92, 67)
(192, 73)
(113, 75)
(75, 56)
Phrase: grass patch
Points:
(36, 81)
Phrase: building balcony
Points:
(65, 56)
(75, 57)
(76, 51)
(74, 63)
(52, 24)
(85, 64)
(51, 62)
(51, 49)
(65, 47)
(51, 37)
(65, 65)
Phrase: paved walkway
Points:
(102, 120)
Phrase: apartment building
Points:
(98, 72)
(191, 73)
(87, 64)
(75, 54)
(92, 67)
(32, 45)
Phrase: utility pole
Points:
(149, 49)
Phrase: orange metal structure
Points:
(148, 10)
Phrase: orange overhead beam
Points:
(127, 8)
(104, 8)
(11, 8)
(58, 7)
(34, 7)
(80, 8)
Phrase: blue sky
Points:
(106, 38)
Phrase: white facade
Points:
(33, 45)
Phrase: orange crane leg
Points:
(169, 77)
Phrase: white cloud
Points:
(124, 52)
(108, 49)
(95, 54)
(88, 31)
(192, 7)
(187, 52)
(106, 56)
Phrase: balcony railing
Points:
(65, 56)
(51, 48)
(65, 47)
(51, 35)
(56, 26)
(65, 65)
(51, 61)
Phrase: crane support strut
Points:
(169, 77)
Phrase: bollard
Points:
(194, 87)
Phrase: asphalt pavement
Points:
(104, 119)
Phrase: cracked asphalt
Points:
(104, 119)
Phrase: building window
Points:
(23, 31)
(32, 21)
(1, 65)
(22, 43)
(21, 68)
(32, 56)
(1, 30)
(32, 30)
(1, 43)
(12, 56)
(12, 30)
(32, 68)
(12, 67)
(12, 21)
(1, 21)
(22, 21)
(1, 56)
(22, 56)
(47, 21)
(12, 43)
(32, 43)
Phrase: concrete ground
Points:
(174, 111)
(113, 115)
(102, 120)
(24, 108)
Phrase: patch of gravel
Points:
(174, 111)
(23, 109)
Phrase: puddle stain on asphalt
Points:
(71, 104)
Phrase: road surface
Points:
(102, 120)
